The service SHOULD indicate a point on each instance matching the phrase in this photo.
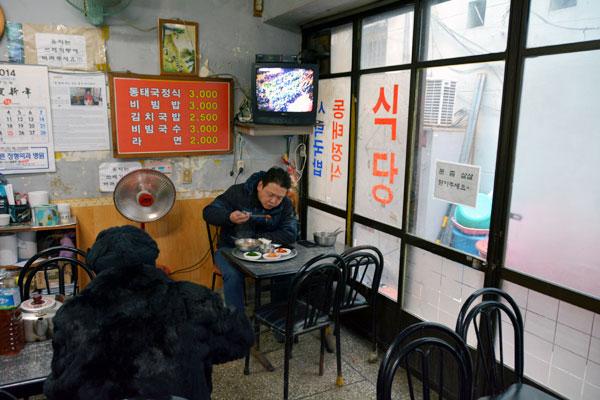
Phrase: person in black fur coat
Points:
(135, 333)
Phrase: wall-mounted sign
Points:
(156, 116)
(456, 183)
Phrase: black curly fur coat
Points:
(134, 333)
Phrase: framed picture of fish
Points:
(178, 47)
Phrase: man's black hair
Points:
(277, 176)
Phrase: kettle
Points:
(37, 316)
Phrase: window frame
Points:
(514, 58)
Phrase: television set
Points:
(284, 93)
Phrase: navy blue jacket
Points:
(281, 227)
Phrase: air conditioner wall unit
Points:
(440, 95)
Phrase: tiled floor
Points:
(360, 376)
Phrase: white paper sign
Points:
(329, 147)
(26, 140)
(456, 183)
(79, 111)
(111, 173)
(64, 51)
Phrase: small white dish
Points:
(271, 256)
(283, 251)
(252, 255)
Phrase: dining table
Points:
(261, 270)
(24, 373)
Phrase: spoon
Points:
(336, 232)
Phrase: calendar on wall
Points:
(26, 142)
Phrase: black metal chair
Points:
(486, 318)
(432, 353)
(4, 395)
(316, 290)
(212, 241)
(363, 269)
(49, 260)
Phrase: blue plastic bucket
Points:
(462, 241)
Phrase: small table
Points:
(260, 271)
(24, 374)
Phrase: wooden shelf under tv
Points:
(252, 129)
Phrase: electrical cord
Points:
(195, 266)
(238, 175)
(300, 171)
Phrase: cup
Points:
(64, 212)
(4, 219)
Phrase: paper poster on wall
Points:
(79, 111)
(328, 148)
(110, 173)
(26, 140)
(57, 46)
(456, 183)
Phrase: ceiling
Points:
(294, 14)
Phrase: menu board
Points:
(156, 116)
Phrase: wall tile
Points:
(540, 326)
(537, 369)
(413, 287)
(509, 353)
(590, 392)
(450, 305)
(573, 340)
(517, 292)
(575, 317)
(565, 383)
(537, 347)
(595, 351)
(452, 270)
(447, 319)
(596, 328)
(430, 296)
(451, 288)
(412, 304)
(432, 279)
(432, 261)
(592, 373)
(542, 304)
(569, 362)
(473, 278)
(429, 312)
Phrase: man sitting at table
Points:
(258, 208)
(135, 333)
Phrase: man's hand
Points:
(238, 217)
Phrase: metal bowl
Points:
(324, 238)
(247, 244)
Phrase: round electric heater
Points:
(144, 195)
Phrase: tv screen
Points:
(284, 93)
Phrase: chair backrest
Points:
(434, 359)
(362, 264)
(51, 260)
(213, 238)
(315, 291)
(487, 317)
(4, 395)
